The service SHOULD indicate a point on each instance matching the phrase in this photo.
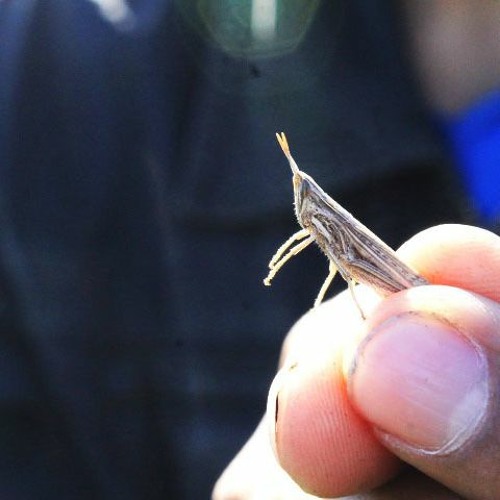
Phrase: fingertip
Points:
(458, 255)
(326, 447)
(421, 381)
(427, 376)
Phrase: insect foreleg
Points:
(299, 235)
(278, 264)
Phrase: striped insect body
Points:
(352, 249)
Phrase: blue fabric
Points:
(474, 139)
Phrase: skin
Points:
(455, 49)
(330, 436)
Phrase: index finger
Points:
(462, 256)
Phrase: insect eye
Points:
(305, 189)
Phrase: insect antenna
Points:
(286, 150)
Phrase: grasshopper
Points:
(352, 249)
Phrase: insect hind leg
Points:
(331, 274)
(352, 285)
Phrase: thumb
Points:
(427, 378)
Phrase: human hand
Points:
(417, 383)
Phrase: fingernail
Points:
(422, 382)
(273, 403)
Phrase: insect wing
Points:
(358, 252)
